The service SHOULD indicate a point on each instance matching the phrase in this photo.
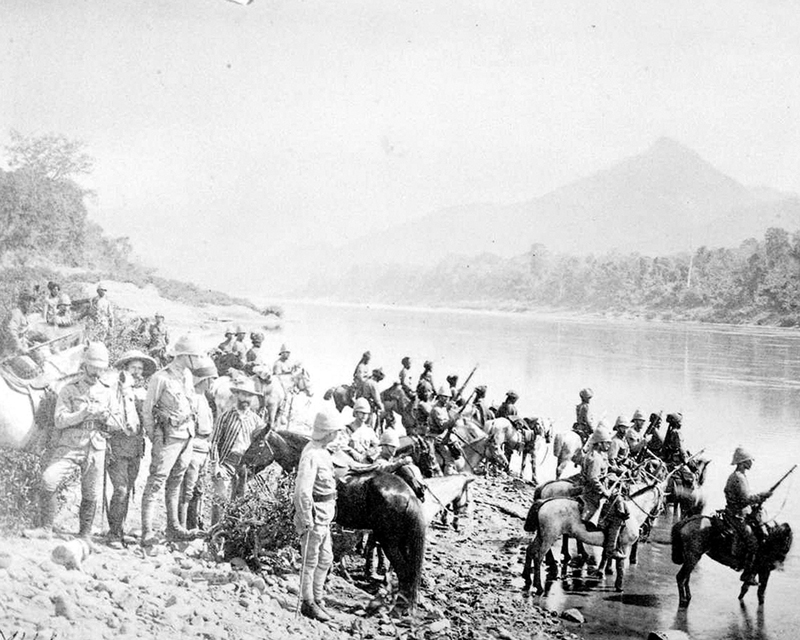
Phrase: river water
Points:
(732, 385)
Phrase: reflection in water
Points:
(733, 386)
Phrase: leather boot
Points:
(749, 575)
(148, 507)
(175, 530)
(611, 548)
(311, 609)
(86, 514)
(193, 512)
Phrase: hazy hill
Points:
(664, 200)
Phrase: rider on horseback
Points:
(672, 451)
(596, 494)
(584, 421)
(742, 511)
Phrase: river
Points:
(733, 386)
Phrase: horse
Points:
(551, 519)
(698, 535)
(474, 446)
(524, 439)
(23, 409)
(377, 501)
(396, 399)
(447, 491)
(341, 395)
(567, 447)
(685, 489)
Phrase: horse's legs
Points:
(634, 555)
(763, 578)
(682, 578)
(586, 557)
(620, 573)
(526, 569)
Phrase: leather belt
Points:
(323, 497)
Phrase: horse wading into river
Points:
(700, 535)
(549, 520)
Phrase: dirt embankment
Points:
(178, 592)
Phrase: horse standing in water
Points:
(549, 520)
(377, 501)
(699, 535)
(567, 447)
(523, 439)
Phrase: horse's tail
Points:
(532, 521)
(415, 526)
(677, 542)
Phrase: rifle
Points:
(466, 382)
(777, 484)
(595, 519)
(655, 421)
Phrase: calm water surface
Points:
(733, 386)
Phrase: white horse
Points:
(567, 447)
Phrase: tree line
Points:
(756, 282)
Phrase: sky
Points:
(226, 136)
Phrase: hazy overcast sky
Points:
(225, 134)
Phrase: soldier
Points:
(233, 434)
(371, 392)
(439, 423)
(51, 302)
(361, 374)
(102, 314)
(62, 316)
(239, 347)
(406, 379)
(478, 411)
(193, 489)
(508, 409)
(255, 356)
(584, 420)
(426, 379)
(363, 440)
(169, 422)
(226, 346)
(158, 340)
(126, 446)
(594, 472)
(741, 506)
(634, 436)
(619, 450)
(673, 451)
(17, 325)
(315, 506)
(283, 366)
(85, 411)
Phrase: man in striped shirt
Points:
(233, 434)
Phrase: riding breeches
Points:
(63, 463)
(317, 551)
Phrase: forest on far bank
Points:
(757, 282)
(44, 227)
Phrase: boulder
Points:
(572, 615)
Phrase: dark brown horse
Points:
(699, 535)
(381, 502)
(342, 396)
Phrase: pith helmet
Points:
(148, 363)
(362, 405)
(621, 423)
(96, 354)
(585, 394)
(284, 349)
(638, 415)
(326, 422)
(240, 329)
(444, 392)
(390, 437)
(741, 455)
(262, 371)
(188, 345)
(101, 287)
(63, 299)
(600, 434)
(675, 418)
(206, 370)
(512, 395)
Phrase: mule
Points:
(551, 519)
(397, 400)
(474, 447)
(524, 440)
(23, 411)
(685, 489)
(696, 536)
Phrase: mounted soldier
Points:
(406, 379)
(363, 439)
(634, 435)
(239, 346)
(101, 311)
(255, 355)
(361, 375)
(584, 420)
(426, 380)
(20, 338)
(51, 302)
(743, 513)
(371, 392)
(508, 408)
(478, 410)
(672, 451)
(602, 508)
(619, 451)
(158, 340)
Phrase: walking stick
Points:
(302, 573)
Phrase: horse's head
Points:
(301, 381)
(260, 454)
(778, 544)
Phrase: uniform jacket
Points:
(738, 498)
(73, 430)
(168, 403)
(314, 478)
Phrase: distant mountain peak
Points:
(670, 149)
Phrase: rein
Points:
(653, 513)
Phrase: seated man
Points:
(363, 440)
